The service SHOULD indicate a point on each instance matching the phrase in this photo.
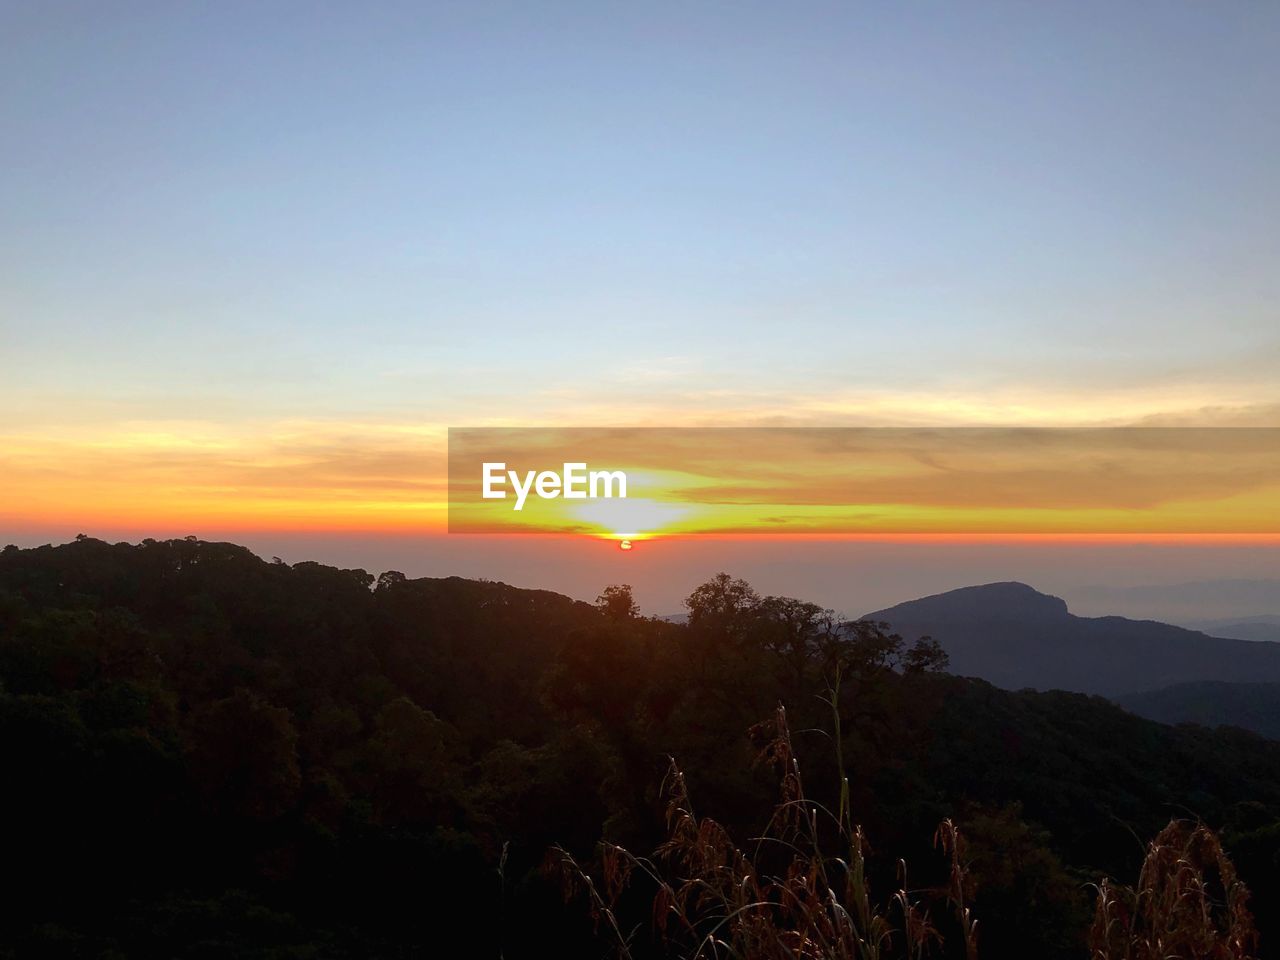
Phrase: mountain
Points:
(1211, 703)
(1014, 636)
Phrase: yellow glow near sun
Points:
(630, 519)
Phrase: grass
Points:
(801, 890)
(1188, 903)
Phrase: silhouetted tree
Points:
(617, 602)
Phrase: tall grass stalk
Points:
(1188, 904)
(787, 900)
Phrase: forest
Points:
(209, 754)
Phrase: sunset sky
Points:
(258, 258)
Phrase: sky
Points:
(256, 258)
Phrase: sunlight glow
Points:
(630, 519)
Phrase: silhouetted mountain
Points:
(1211, 703)
(1016, 637)
(991, 601)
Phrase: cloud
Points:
(389, 471)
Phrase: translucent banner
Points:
(646, 482)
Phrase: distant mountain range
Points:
(1191, 603)
(1016, 637)
(1242, 628)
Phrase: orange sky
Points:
(393, 479)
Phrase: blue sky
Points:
(230, 211)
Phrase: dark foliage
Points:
(208, 754)
(1251, 706)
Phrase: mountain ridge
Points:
(1212, 703)
(1016, 637)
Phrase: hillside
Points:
(1251, 706)
(1016, 637)
(210, 754)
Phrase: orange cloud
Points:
(392, 477)
(892, 481)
